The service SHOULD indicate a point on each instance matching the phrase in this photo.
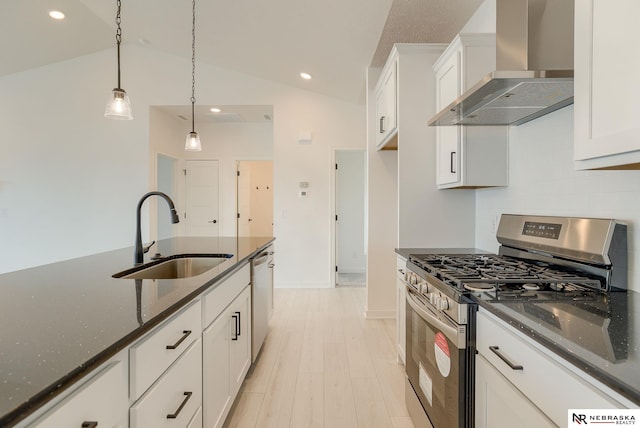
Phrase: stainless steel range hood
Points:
(534, 67)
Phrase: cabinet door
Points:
(448, 137)
(607, 88)
(215, 366)
(387, 106)
(390, 99)
(240, 312)
(380, 115)
(500, 405)
(87, 404)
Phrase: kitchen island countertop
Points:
(62, 320)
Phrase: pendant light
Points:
(193, 139)
(118, 106)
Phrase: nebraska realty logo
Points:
(600, 417)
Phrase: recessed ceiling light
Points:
(56, 14)
(305, 76)
(215, 110)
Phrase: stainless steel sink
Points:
(175, 267)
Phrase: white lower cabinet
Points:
(226, 358)
(514, 372)
(102, 401)
(401, 320)
(175, 398)
(500, 405)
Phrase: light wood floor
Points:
(324, 365)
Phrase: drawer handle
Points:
(236, 317)
(238, 329)
(89, 424)
(188, 395)
(496, 351)
(185, 333)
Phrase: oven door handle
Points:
(448, 330)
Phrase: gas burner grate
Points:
(501, 271)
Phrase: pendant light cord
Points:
(193, 68)
(118, 37)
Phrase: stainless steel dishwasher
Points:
(261, 298)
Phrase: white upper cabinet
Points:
(470, 156)
(607, 87)
(387, 106)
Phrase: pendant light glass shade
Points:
(193, 142)
(118, 106)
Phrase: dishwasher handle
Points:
(261, 259)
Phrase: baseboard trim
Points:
(379, 315)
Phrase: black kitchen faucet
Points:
(139, 252)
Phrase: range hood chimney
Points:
(534, 67)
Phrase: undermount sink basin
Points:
(175, 267)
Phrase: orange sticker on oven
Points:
(443, 356)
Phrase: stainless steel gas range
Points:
(540, 259)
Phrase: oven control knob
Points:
(443, 304)
(433, 298)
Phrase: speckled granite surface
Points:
(59, 321)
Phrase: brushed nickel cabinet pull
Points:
(188, 395)
(185, 333)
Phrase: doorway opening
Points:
(349, 204)
(254, 198)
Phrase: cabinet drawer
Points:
(220, 297)
(151, 356)
(178, 393)
(88, 403)
(537, 371)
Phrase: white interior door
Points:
(255, 198)
(202, 198)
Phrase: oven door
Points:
(436, 363)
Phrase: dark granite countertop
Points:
(597, 333)
(60, 321)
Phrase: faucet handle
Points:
(146, 249)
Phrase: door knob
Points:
(213, 221)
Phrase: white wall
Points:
(542, 180)
(70, 184)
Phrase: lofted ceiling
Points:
(333, 40)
